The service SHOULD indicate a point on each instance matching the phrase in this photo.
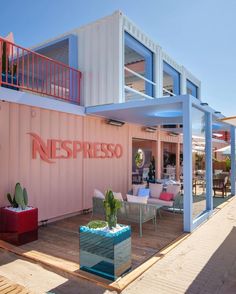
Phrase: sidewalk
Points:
(204, 263)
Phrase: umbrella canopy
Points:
(230, 120)
(225, 150)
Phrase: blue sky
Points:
(200, 34)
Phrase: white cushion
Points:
(136, 188)
(173, 189)
(118, 196)
(98, 194)
(137, 199)
(159, 202)
(155, 190)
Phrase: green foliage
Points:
(111, 206)
(95, 224)
(228, 164)
(20, 198)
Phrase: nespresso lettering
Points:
(64, 149)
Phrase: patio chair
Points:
(220, 184)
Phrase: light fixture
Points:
(114, 122)
(150, 129)
(217, 112)
(204, 104)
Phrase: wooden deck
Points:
(58, 247)
(61, 239)
(9, 287)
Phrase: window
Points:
(171, 80)
(138, 65)
(192, 89)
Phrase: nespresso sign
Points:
(64, 149)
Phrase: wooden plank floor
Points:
(9, 287)
(61, 238)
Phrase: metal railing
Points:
(23, 69)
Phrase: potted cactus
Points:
(18, 222)
(9, 72)
(105, 246)
(111, 205)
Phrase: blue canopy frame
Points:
(176, 110)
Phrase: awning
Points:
(229, 120)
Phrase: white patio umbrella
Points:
(229, 120)
(225, 150)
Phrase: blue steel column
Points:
(187, 162)
(232, 141)
(209, 176)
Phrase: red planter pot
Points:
(18, 227)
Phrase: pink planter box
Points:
(18, 227)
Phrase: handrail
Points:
(24, 69)
(139, 76)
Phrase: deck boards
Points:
(61, 238)
(9, 287)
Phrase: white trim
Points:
(40, 101)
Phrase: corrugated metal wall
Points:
(99, 57)
(65, 186)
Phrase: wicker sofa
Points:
(133, 212)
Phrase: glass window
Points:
(171, 80)
(138, 62)
(199, 162)
(192, 89)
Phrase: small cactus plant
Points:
(111, 206)
(20, 198)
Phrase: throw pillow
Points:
(98, 194)
(143, 192)
(155, 190)
(136, 199)
(166, 196)
(137, 187)
(118, 196)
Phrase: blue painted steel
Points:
(192, 89)
(132, 43)
(168, 69)
(187, 163)
(209, 178)
(201, 218)
(233, 167)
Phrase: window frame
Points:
(137, 46)
(170, 70)
(190, 85)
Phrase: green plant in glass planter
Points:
(111, 206)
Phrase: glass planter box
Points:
(105, 253)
